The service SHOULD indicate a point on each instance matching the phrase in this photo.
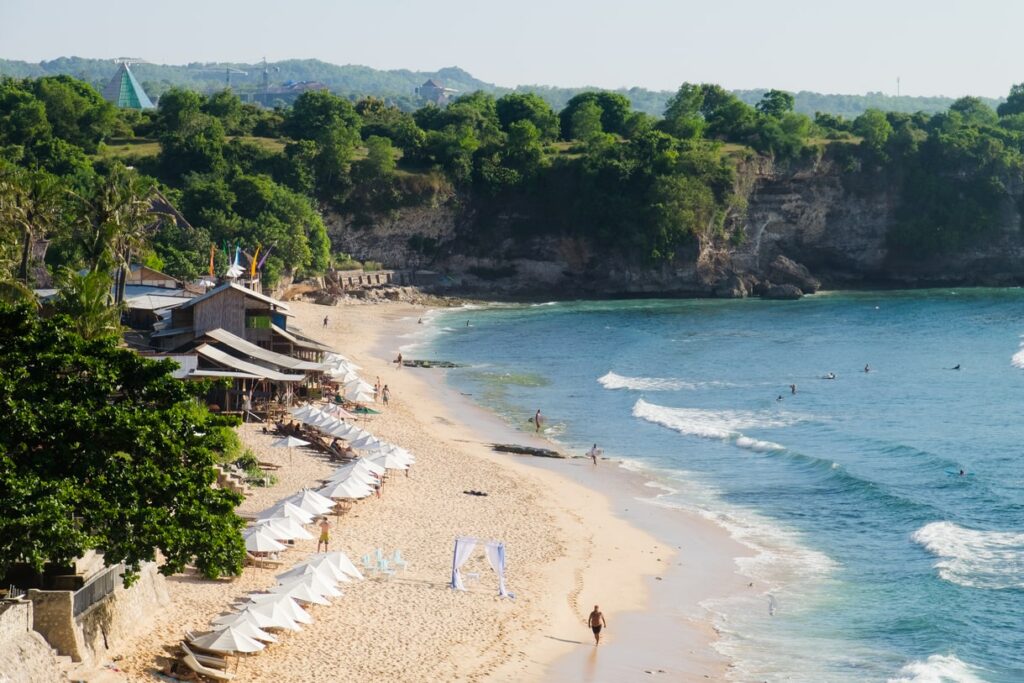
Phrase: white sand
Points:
(565, 549)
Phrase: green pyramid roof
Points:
(125, 91)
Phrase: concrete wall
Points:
(25, 657)
(52, 617)
(113, 619)
(102, 626)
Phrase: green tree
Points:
(528, 107)
(34, 204)
(585, 123)
(1014, 103)
(105, 449)
(76, 112)
(615, 111)
(776, 103)
(380, 157)
(875, 128)
(974, 111)
(683, 117)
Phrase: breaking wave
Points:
(972, 558)
(713, 424)
(936, 669)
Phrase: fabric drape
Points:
(496, 556)
(463, 549)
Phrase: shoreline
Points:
(575, 536)
(676, 638)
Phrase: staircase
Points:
(232, 481)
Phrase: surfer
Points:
(593, 453)
(955, 367)
(830, 375)
(792, 389)
(538, 420)
(779, 397)
(962, 473)
(867, 368)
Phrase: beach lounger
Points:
(192, 663)
(211, 661)
(263, 562)
(384, 569)
(369, 566)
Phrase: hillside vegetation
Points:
(649, 188)
(399, 86)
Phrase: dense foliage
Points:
(399, 86)
(102, 448)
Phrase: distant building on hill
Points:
(434, 91)
(125, 91)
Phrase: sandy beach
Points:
(575, 535)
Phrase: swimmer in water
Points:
(830, 375)
(962, 473)
(955, 367)
(867, 368)
(792, 389)
(779, 397)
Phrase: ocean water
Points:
(874, 560)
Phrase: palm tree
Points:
(117, 222)
(86, 299)
(31, 204)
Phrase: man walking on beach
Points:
(593, 453)
(325, 321)
(386, 394)
(596, 623)
(325, 534)
(538, 420)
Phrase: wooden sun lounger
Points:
(268, 465)
(262, 562)
(212, 661)
(191, 662)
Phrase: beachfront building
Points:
(125, 91)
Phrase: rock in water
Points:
(783, 292)
(526, 450)
(786, 271)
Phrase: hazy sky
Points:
(934, 46)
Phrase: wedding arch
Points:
(495, 551)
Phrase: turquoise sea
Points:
(874, 559)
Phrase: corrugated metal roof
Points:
(222, 358)
(170, 332)
(231, 374)
(266, 355)
(151, 302)
(248, 292)
(300, 340)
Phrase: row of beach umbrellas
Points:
(281, 608)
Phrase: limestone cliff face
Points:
(813, 225)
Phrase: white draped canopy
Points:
(495, 551)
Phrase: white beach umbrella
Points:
(323, 568)
(341, 430)
(315, 581)
(358, 478)
(277, 613)
(311, 501)
(288, 604)
(228, 640)
(359, 396)
(347, 490)
(370, 466)
(262, 542)
(328, 567)
(246, 614)
(302, 411)
(301, 592)
(360, 470)
(388, 460)
(365, 443)
(246, 625)
(283, 528)
(288, 509)
(289, 442)
(341, 559)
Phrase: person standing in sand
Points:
(594, 452)
(386, 395)
(398, 362)
(538, 420)
(325, 534)
(596, 622)
(325, 321)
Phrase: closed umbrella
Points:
(228, 640)
(289, 442)
(287, 604)
(262, 542)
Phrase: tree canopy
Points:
(105, 449)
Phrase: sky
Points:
(935, 47)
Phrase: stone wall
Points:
(25, 657)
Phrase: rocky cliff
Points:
(816, 225)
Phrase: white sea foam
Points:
(613, 380)
(937, 669)
(973, 558)
(715, 424)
